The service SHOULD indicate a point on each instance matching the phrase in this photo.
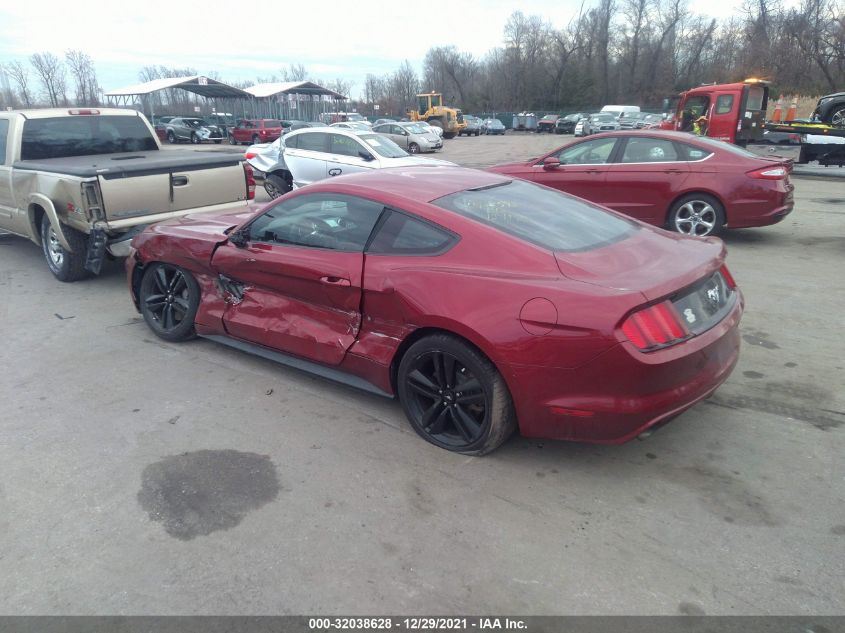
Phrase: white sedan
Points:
(313, 154)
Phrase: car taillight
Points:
(249, 155)
(655, 326)
(777, 172)
(250, 182)
(728, 277)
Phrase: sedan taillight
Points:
(776, 172)
(655, 326)
(250, 182)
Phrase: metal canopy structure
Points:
(303, 100)
(148, 94)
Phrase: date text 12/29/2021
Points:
(416, 624)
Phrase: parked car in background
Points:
(524, 122)
(309, 155)
(192, 129)
(300, 125)
(224, 121)
(81, 183)
(255, 131)
(649, 121)
(380, 121)
(831, 109)
(384, 281)
(629, 121)
(601, 122)
(473, 127)
(620, 110)
(428, 127)
(547, 123)
(494, 126)
(692, 185)
(581, 127)
(410, 136)
(352, 125)
(566, 124)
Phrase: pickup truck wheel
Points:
(169, 297)
(65, 265)
(276, 185)
(171, 137)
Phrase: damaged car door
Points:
(293, 276)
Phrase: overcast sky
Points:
(243, 40)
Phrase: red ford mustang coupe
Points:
(691, 185)
(484, 303)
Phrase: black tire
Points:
(413, 148)
(195, 139)
(169, 297)
(171, 137)
(697, 214)
(276, 185)
(232, 140)
(64, 264)
(454, 397)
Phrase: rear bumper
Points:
(761, 213)
(623, 392)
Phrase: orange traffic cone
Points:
(793, 109)
(778, 113)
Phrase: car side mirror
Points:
(550, 162)
(366, 156)
(238, 238)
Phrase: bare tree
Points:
(295, 72)
(85, 77)
(51, 73)
(20, 75)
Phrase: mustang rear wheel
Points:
(169, 297)
(698, 215)
(454, 397)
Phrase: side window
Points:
(395, 129)
(315, 142)
(4, 132)
(695, 153)
(331, 221)
(401, 234)
(292, 141)
(595, 152)
(649, 150)
(724, 104)
(694, 108)
(344, 145)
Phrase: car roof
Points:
(344, 131)
(418, 183)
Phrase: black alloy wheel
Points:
(171, 137)
(454, 397)
(169, 298)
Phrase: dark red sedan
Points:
(688, 184)
(484, 303)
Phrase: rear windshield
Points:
(539, 215)
(84, 135)
(724, 145)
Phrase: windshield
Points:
(194, 122)
(542, 216)
(604, 117)
(496, 123)
(416, 128)
(383, 146)
(62, 137)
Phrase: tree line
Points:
(613, 51)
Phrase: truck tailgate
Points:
(203, 187)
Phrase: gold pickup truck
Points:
(82, 182)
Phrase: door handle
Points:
(335, 281)
(335, 172)
(179, 181)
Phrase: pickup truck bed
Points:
(132, 163)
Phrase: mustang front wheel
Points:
(454, 397)
(169, 297)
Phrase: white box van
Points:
(620, 110)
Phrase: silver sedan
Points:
(410, 136)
